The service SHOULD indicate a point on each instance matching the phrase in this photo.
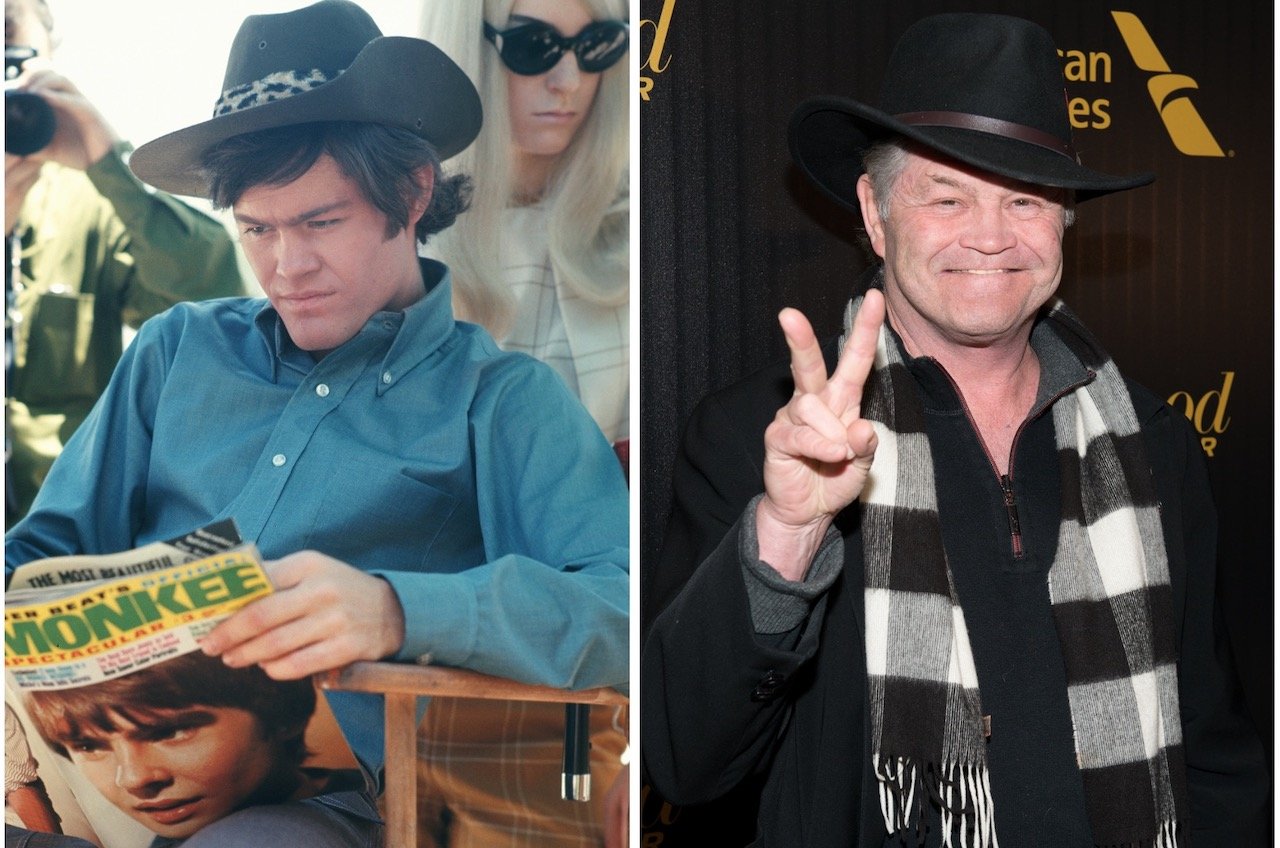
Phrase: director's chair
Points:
(402, 684)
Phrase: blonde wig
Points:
(587, 195)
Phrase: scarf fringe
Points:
(962, 793)
(1166, 837)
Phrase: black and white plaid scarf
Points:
(1109, 586)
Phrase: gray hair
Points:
(885, 161)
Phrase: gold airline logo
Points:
(656, 59)
(1168, 91)
(1207, 411)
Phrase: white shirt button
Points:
(278, 460)
(386, 377)
(322, 390)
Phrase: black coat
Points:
(721, 706)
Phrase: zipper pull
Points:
(1011, 506)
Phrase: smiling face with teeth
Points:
(969, 256)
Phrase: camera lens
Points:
(28, 122)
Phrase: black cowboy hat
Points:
(985, 90)
(326, 62)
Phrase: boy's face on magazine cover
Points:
(180, 770)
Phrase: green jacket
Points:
(100, 250)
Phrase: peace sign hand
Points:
(818, 450)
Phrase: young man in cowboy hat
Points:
(954, 579)
(423, 495)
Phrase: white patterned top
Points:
(586, 344)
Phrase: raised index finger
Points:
(808, 369)
(860, 349)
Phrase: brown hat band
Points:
(991, 126)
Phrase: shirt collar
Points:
(408, 336)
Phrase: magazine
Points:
(132, 732)
(42, 573)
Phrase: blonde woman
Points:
(541, 261)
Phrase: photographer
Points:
(88, 250)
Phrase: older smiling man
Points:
(959, 587)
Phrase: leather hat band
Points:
(991, 126)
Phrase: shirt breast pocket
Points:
(384, 517)
(59, 364)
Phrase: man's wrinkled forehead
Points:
(933, 168)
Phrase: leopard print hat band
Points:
(276, 86)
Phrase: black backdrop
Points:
(1176, 279)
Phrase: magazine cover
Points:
(118, 729)
(42, 573)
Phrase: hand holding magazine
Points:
(135, 732)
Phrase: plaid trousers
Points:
(489, 775)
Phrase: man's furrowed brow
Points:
(948, 182)
(300, 218)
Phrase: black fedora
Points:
(985, 90)
(326, 62)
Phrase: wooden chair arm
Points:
(403, 678)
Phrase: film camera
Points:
(29, 122)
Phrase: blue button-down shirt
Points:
(468, 478)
